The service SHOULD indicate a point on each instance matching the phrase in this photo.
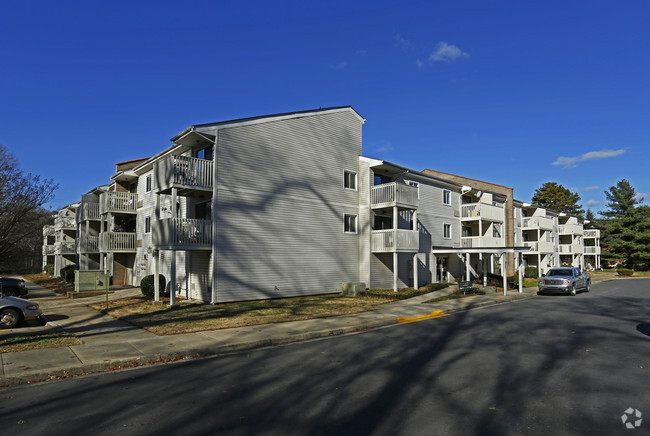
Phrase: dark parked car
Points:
(14, 310)
(13, 287)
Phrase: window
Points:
(415, 184)
(380, 180)
(349, 223)
(350, 180)
(205, 153)
(148, 187)
(446, 231)
(496, 230)
(147, 224)
(446, 197)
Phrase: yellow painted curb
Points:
(434, 314)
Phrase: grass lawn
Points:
(163, 320)
(37, 341)
(54, 283)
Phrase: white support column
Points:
(172, 288)
(521, 272)
(415, 270)
(434, 268)
(484, 260)
(156, 295)
(504, 272)
(215, 190)
(395, 270)
(539, 264)
(467, 275)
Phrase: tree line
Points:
(624, 224)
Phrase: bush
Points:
(402, 294)
(531, 272)
(49, 269)
(67, 273)
(147, 285)
(625, 271)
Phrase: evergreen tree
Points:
(558, 198)
(591, 217)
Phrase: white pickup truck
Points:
(565, 280)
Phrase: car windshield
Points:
(559, 272)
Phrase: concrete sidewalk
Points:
(112, 344)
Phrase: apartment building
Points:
(591, 240)
(59, 239)
(286, 205)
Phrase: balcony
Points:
(182, 234)
(539, 246)
(394, 241)
(570, 229)
(48, 230)
(187, 174)
(394, 194)
(117, 242)
(537, 223)
(64, 223)
(48, 249)
(592, 250)
(118, 202)
(481, 242)
(65, 248)
(89, 244)
(88, 212)
(475, 211)
(592, 233)
(570, 249)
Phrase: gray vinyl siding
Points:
(280, 207)
(365, 223)
(200, 267)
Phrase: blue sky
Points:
(515, 93)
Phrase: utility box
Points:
(90, 280)
(354, 288)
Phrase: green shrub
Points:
(147, 285)
(49, 269)
(402, 294)
(625, 272)
(67, 273)
(531, 272)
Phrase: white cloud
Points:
(591, 188)
(419, 63)
(641, 196)
(570, 162)
(385, 148)
(445, 52)
(591, 203)
(340, 65)
(402, 42)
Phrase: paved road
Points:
(548, 365)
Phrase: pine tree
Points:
(558, 198)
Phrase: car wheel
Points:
(9, 318)
(573, 290)
(588, 286)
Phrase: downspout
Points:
(215, 191)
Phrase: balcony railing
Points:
(183, 172)
(65, 248)
(538, 223)
(481, 241)
(592, 250)
(117, 241)
(592, 233)
(88, 212)
(48, 230)
(540, 246)
(394, 240)
(570, 229)
(88, 244)
(570, 249)
(182, 234)
(481, 210)
(394, 194)
(118, 202)
(48, 249)
(64, 222)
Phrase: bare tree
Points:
(22, 196)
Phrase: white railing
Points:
(537, 222)
(183, 171)
(118, 202)
(570, 248)
(49, 249)
(394, 194)
(394, 240)
(65, 248)
(88, 211)
(592, 250)
(572, 229)
(48, 230)
(540, 246)
(592, 233)
(89, 244)
(182, 233)
(117, 241)
(482, 210)
(64, 222)
(481, 241)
